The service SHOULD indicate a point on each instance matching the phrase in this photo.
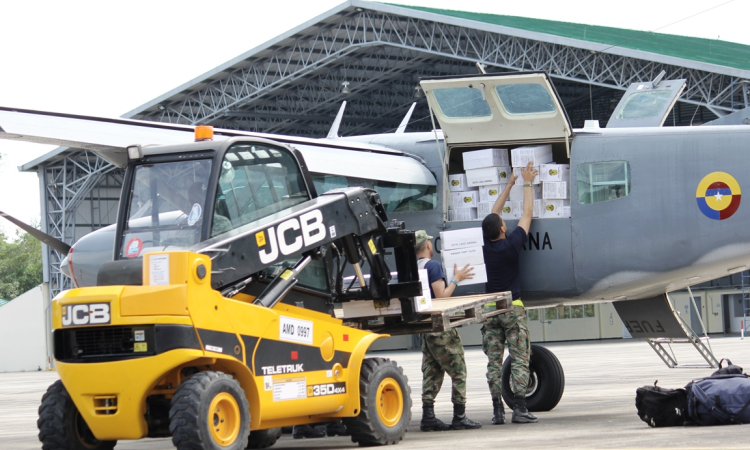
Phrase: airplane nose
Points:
(65, 267)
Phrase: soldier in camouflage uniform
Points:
(442, 352)
(501, 257)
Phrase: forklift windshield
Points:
(166, 207)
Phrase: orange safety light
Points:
(204, 133)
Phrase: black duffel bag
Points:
(660, 407)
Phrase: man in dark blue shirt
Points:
(501, 257)
(442, 352)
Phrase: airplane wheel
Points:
(209, 411)
(61, 426)
(263, 438)
(385, 399)
(546, 380)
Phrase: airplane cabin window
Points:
(603, 181)
(462, 102)
(397, 197)
(645, 104)
(256, 181)
(525, 98)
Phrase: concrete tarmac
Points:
(596, 411)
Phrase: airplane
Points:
(652, 209)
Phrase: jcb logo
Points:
(85, 314)
(309, 229)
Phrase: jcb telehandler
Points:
(213, 324)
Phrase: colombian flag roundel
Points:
(718, 195)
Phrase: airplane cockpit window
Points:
(603, 181)
(525, 98)
(256, 180)
(645, 104)
(166, 207)
(460, 102)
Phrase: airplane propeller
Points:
(54, 243)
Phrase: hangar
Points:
(372, 55)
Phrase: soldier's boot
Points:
(520, 413)
(308, 431)
(460, 421)
(498, 411)
(429, 421)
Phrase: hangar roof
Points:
(710, 51)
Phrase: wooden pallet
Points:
(445, 313)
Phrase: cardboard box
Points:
(366, 308)
(465, 214)
(488, 176)
(537, 154)
(467, 237)
(512, 210)
(555, 190)
(483, 209)
(457, 182)
(566, 211)
(516, 192)
(480, 275)
(490, 192)
(487, 157)
(554, 172)
(465, 199)
(519, 179)
(473, 256)
(423, 302)
(555, 208)
(537, 208)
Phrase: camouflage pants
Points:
(443, 353)
(511, 328)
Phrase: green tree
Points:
(20, 264)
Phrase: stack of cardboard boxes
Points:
(462, 247)
(487, 173)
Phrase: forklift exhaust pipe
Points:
(279, 287)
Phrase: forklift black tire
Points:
(385, 402)
(546, 381)
(263, 438)
(61, 426)
(209, 412)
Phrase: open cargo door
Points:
(514, 108)
(646, 104)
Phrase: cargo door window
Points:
(525, 99)
(603, 181)
(462, 102)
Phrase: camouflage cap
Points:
(421, 237)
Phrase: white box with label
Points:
(488, 176)
(554, 172)
(483, 209)
(465, 214)
(465, 199)
(555, 190)
(479, 272)
(487, 157)
(457, 182)
(473, 256)
(423, 301)
(467, 237)
(516, 192)
(555, 208)
(537, 154)
(512, 210)
(519, 176)
(490, 192)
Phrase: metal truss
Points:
(302, 75)
(66, 183)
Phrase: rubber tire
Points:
(263, 438)
(550, 378)
(367, 429)
(58, 421)
(188, 415)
